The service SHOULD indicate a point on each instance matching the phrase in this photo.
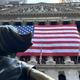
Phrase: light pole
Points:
(40, 58)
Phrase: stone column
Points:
(35, 22)
(68, 60)
(72, 22)
(60, 22)
(50, 61)
(48, 22)
(53, 73)
(24, 23)
(32, 60)
(72, 74)
(11, 23)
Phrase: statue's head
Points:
(12, 42)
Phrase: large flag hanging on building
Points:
(54, 40)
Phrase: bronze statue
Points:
(12, 69)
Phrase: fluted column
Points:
(72, 22)
(36, 22)
(52, 72)
(50, 60)
(60, 22)
(68, 60)
(32, 60)
(24, 23)
(72, 74)
(11, 23)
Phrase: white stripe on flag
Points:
(55, 35)
(50, 45)
(56, 31)
(55, 40)
(53, 51)
(65, 27)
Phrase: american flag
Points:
(54, 40)
(25, 29)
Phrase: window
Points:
(17, 23)
(5, 23)
(61, 76)
(41, 23)
(59, 59)
(54, 23)
(29, 23)
(78, 25)
(66, 22)
(79, 75)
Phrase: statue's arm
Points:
(37, 75)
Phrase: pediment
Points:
(39, 8)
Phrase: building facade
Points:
(59, 67)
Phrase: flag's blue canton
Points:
(25, 29)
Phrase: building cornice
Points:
(58, 66)
(39, 19)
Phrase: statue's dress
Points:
(12, 69)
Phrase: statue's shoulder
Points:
(26, 70)
(24, 64)
(9, 69)
(14, 69)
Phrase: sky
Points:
(46, 1)
(32, 1)
(38, 1)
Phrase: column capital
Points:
(68, 60)
(50, 60)
(32, 60)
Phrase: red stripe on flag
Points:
(58, 33)
(57, 37)
(54, 29)
(58, 42)
(59, 47)
(46, 54)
